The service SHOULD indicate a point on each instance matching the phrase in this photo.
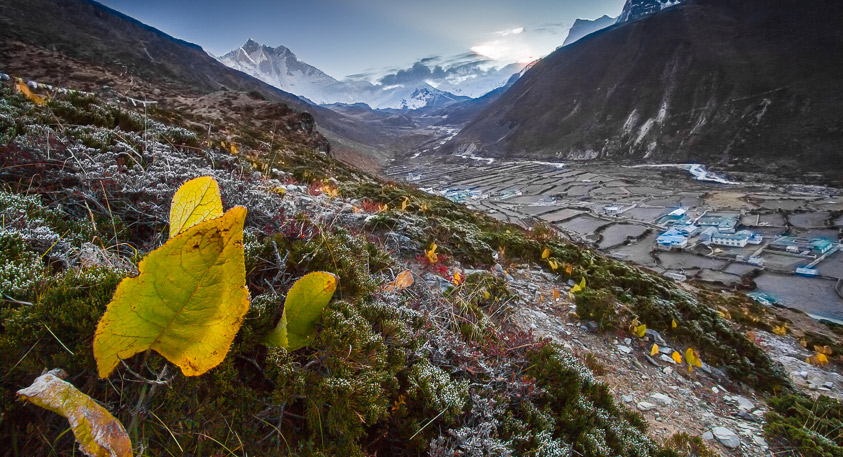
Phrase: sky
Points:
(366, 37)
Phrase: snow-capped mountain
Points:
(281, 68)
(583, 27)
(422, 85)
(636, 9)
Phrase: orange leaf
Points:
(402, 281)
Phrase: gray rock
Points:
(624, 349)
(743, 403)
(666, 359)
(626, 398)
(656, 337)
(662, 398)
(708, 436)
(645, 406)
(592, 326)
(665, 350)
(727, 437)
(651, 361)
(829, 385)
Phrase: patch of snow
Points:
(644, 130)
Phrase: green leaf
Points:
(302, 309)
(99, 434)
(187, 303)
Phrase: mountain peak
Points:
(583, 27)
(636, 9)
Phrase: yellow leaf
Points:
(578, 287)
(640, 330)
(196, 201)
(674, 324)
(553, 264)
(424, 207)
(404, 204)
(402, 281)
(569, 269)
(677, 357)
(817, 359)
(355, 209)
(556, 294)
(693, 358)
(486, 295)
(457, 277)
(24, 89)
(431, 253)
(825, 350)
(302, 309)
(98, 433)
(187, 303)
(654, 350)
(384, 208)
(546, 253)
(233, 149)
(780, 330)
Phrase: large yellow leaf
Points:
(546, 253)
(196, 201)
(99, 434)
(187, 303)
(302, 309)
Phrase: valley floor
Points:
(623, 210)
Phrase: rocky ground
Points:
(448, 366)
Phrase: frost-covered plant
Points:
(436, 390)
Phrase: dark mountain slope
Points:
(135, 57)
(740, 83)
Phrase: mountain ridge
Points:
(279, 67)
(728, 84)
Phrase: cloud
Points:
(418, 72)
(515, 31)
(552, 28)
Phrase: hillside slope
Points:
(60, 40)
(728, 83)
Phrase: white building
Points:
(735, 240)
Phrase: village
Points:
(779, 244)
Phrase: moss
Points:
(352, 258)
(685, 445)
(813, 427)
(582, 409)
(599, 306)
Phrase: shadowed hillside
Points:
(741, 84)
